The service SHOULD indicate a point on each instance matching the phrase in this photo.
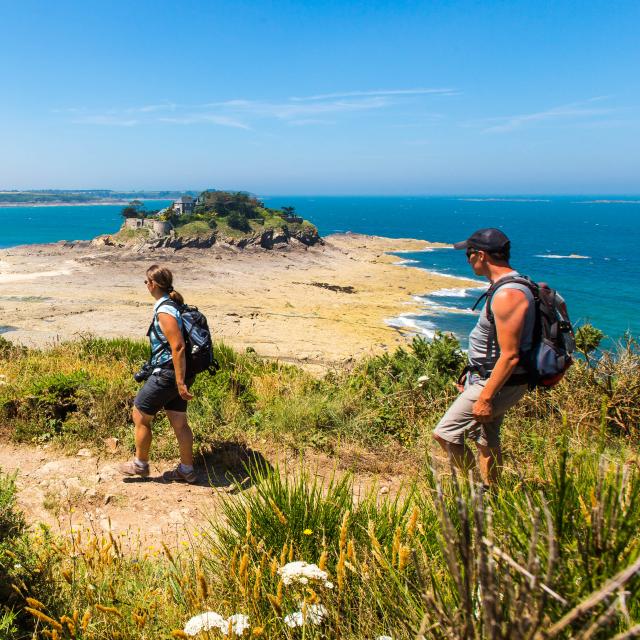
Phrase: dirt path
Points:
(70, 492)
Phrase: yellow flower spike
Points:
(54, 635)
(280, 594)
(413, 520)
(344, 528)
(283, 555)
(351, 551)
(291, 552)
(36, 604)
(202, 585)
(111, 610)
(248, 531)
(167, 552)
(230, 629)
(85, 620)
(308, 532)
(276, 510)
(44, 617)
(322, 563)
(178, 633)
(257, 631)
(257, 585)
(76, 615)
(274, 567)
(404, 553)
(275, 604)
(395, 545)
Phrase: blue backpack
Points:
(553, 341)
(197, 339)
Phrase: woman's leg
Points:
(142, 422)
(178, 420)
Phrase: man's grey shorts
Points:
(458, 423)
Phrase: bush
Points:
(238, 221)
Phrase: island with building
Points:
(236, 218)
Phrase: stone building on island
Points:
(184, 205)
(157, 228)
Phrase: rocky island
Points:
(223, 217)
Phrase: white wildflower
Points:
(301, 572)
(421, 382)
(294, 619)
(239, 624)
(204, 622)
(384, 638)
(314, 615)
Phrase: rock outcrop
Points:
(280, 238)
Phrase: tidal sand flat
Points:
(321, 306)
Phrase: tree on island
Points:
(289, 211)
(135, 209)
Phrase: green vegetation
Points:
(440, 558)
(236, 214)
(63, 196)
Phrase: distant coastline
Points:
(62, 203)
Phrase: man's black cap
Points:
(490, 240)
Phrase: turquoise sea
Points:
(546, 232)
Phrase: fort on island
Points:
(238, 217)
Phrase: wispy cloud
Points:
(106, 120)
(321, 109)
(204, 118)
(572, 111)
(381, 92)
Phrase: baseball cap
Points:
(486, 240)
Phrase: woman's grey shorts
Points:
(458, 423)
(160, 392)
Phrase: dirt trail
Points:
(70, 492)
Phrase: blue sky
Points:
(322, 97)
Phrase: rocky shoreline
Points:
(269, 239)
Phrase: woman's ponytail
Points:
(163, 277)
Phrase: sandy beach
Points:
(318, 307)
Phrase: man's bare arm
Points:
(509, 308)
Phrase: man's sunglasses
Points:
(470, 252)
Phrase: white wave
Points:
(450, 293)
(403, 263)
(409, 321)
(424, 250)
(504, 200)
(607, 202)
(555, 256)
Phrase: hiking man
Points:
(494, 380)
(166, 383)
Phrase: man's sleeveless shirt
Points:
(482, 332)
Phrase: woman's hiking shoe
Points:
(133, 469)
(178, 475)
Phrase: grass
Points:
(439, 560)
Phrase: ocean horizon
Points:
(585, 246)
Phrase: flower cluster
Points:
(302, 573)
(238, 623)
(314, 613)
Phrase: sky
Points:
(324, 97)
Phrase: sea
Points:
(588, 248)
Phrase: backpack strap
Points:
(159, 335)
(491, 291)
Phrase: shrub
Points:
(237, 220)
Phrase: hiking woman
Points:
(167, 386)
